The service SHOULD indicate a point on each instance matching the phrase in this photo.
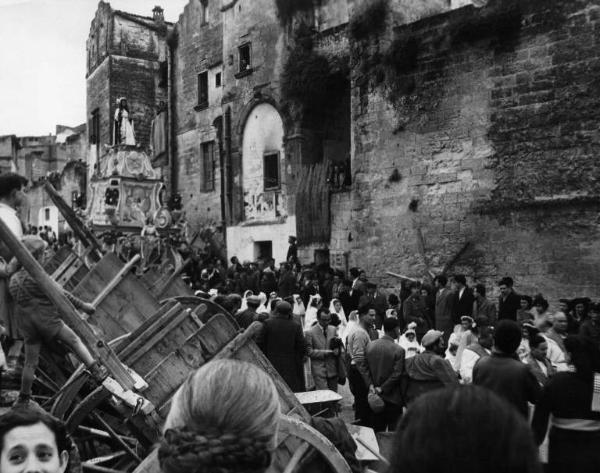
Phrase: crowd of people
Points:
(413, 358)
(321, 330)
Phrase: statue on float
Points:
(123, 129)
(126, 206)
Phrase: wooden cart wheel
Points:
(305, 444)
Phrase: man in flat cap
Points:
(282, 342)
(249, 315)
(428, 370)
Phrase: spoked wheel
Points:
(99, 426)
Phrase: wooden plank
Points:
(141, 337)
(115, 280)
(79, 229)
(127, 306)
(143, 349)
(99, 349)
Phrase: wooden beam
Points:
(116, 280)
(99, 349)
(81, 231)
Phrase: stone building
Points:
(60, 158)
(9, 147)
(126, 57)
(399, 136)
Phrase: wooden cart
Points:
(150, 345)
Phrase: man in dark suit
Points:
(509, 302)
(444, 298)
(282, 342)
(463, 299)
(246, 317)
(374, 300)
(323, 360)
(386, 364)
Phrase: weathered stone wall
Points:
(125, 53)
(199, 49)
(486, 135)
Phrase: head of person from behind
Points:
(35, 245)
(421, 445)
(507, 337)
(223, 418)
(433, 341)
(11, 190)
(32, 441)
(323, 317)
(391, 327)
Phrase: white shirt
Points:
(467, 363)
(9, 216)
(460, 293)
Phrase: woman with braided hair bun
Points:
(223, 419)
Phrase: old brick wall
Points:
(199, 49)
(487, 136)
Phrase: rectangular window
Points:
(47, 214)
(208, 166)
(204, 12)
(203, 89)
(271, 171)
(245, 57)
(218, 79)
(94, 131)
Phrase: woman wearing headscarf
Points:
(314, 303)
(335, 307)
(408, 341)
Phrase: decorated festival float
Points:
(126, 205)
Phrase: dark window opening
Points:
(204, 12)
(271, 171)
(47, 214)
(203, 89)
(263, 250)
(208, 166)
(245, 58)
(163, 74)
(94, 130)
(218, 79)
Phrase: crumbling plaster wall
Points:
(495, 145)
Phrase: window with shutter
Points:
(208, 166)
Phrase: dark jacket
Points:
(507, 309)
(414, 311)
(443, 311)
(283, 343)
(287, 284)
(509, 378)
(246, 317)
(591, 331)
(426, 372)
(386, 363)
(462, 305)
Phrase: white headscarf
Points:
(352, 326)
(341, 315)
(244, 305)
(410, 348)
(263, 303)
(311, 312)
